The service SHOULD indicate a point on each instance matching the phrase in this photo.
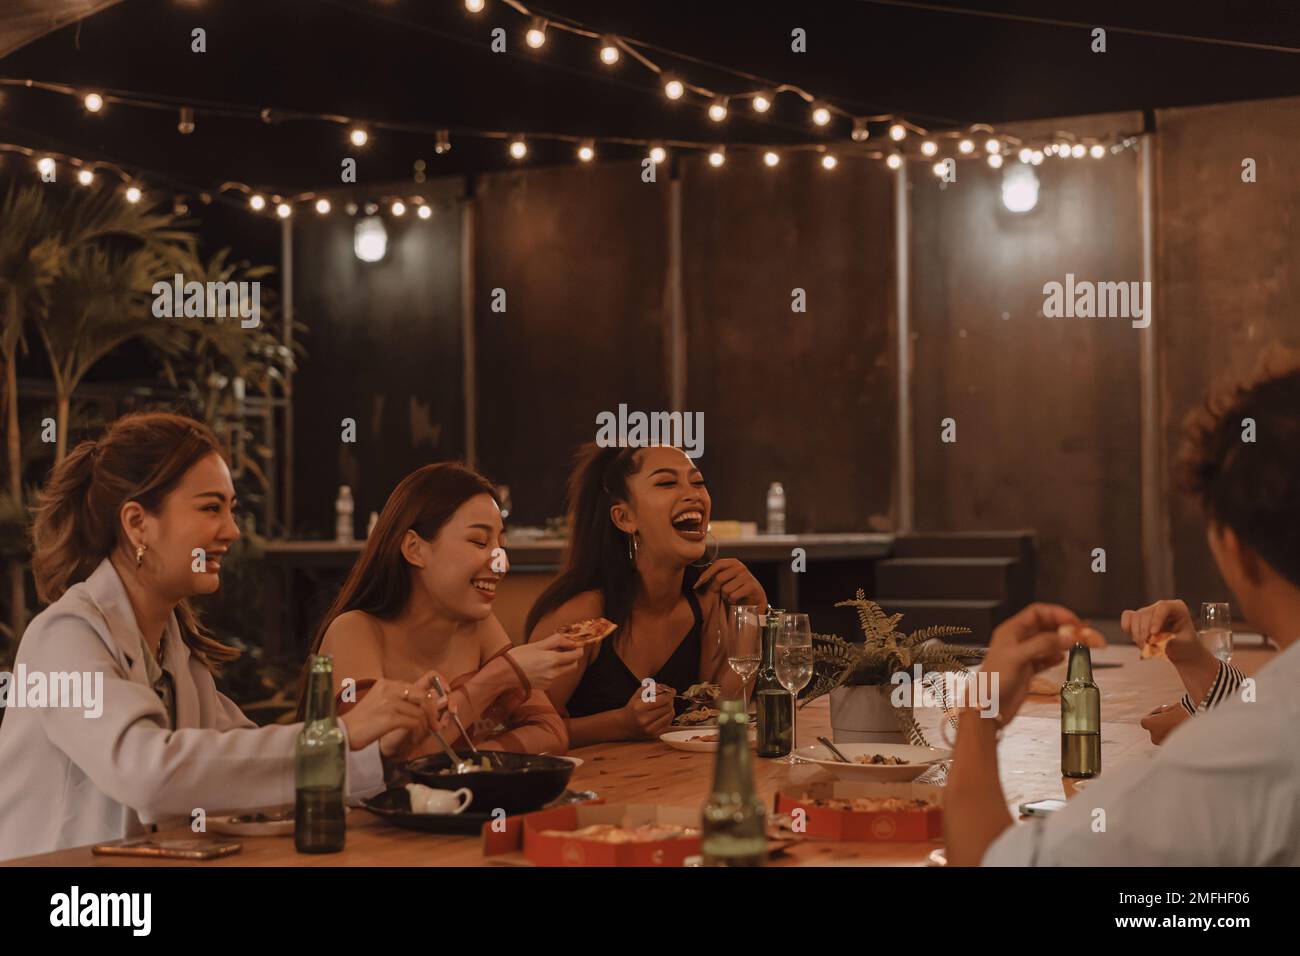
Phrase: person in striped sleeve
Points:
(1209, 681)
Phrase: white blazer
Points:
(69, 779)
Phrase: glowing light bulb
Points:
(322, 206)
(424, 212)
(1036, 158)
(829, 161)
(940, 167)
(762, 102)
(929, 148)
(587, 152)
(1019, 188)
(398, 208)
(1025, 154)
(657, 154)
(257, 202)
(536, 35)
(717, 157)
(1097, 151)
(45, 165)
(93, 102)
(821, 115)
(718, 109)
(85, 177)
(1077, 150)
(897, 132)
(283, 210)
(771, 158)
(993, 145)
(894, 161)
(995, 160)
(133, 194)
(474, 6)
(860, 132)
(673, 88)
(609, 53)
(518, 149)
(358, 136)
(966, 146)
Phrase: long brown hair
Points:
(596, 558)
(141, 457)
(380, 581)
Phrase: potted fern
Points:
(858, 675)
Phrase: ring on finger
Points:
(406, 693)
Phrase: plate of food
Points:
(878, 762)
(395, 806)
(515, 783)
(698, 740)
(268, 821)
(698, 706)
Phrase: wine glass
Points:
(1216, 630)
(794, 668)
(741, 645)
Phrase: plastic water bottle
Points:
(775, 508)
(343, 515)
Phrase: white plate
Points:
(680, 739)
(919, 760)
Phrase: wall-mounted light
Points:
(370, 239)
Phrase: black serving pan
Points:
(517, 783)
(394, 806)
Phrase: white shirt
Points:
(69, 779)
(1223, 790)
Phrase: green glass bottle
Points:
(1080, 718)
(772, 705)
(320, 767)
(734, 831)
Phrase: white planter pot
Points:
(861, 715)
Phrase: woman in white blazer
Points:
(127, 529)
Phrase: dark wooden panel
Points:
(384, 347)
(1228, 270)
(581, 252)
(1047, 410)
(807, 399)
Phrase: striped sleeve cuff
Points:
(1226, 682)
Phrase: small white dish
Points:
(919, 760)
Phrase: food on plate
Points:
(591, 631)
(882, 760)
(704, 694)
(869, 804)
(483, 764)
(693, 718)
(1155, 645)
(703, 738)
(611, 833)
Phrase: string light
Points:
(133, 194)
(518, 148)
(398, 208)
(93, 102)
(1077, 150)
(860, 132)
(673, 88)
(995, 160)
(940, 167)
(475, 6)
(609, 52)
(657, 154)
(1036, 157)
(894, 161)
(718, 109)
(45, 166)
(358, 136)
(85, 177)
(536, 35)
(442, 142)
(717, 156)
(257, 202)
(424, 212)
(829, 161)
(821, 115)
(322, 206)
(762, 102)
(1097, 151)
(1025, 154)
(284, 210)
(897, 132)
(587, 151)
(993, 146)
(185, 125)
(929, 148)
(771, 157)
(966, 146)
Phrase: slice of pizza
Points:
(590, 631)
(1155, 645)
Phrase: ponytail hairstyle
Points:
(141, 458)
(597, 555)
(380, 582)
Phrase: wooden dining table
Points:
(652, 772)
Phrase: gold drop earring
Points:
(139, 554)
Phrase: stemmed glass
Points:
(1216, 630)
(741, 645)
(794, 668)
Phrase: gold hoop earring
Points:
(632, 547)
(706, 549)
(139, 554)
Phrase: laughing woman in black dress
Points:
(637, 519)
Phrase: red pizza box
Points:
(533, 835)
(796, 805)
